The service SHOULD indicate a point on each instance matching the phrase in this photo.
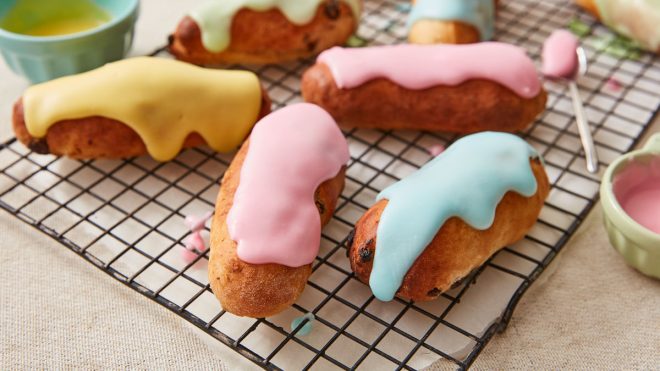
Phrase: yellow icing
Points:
(64, 27)
(51, 18)
(160, 99)
(214, 17)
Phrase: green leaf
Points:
(618, 46)
(578, 27)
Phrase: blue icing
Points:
(478, 13)
(468, 181)
(306, 328)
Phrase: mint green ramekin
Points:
(639, 246)
(44, 58)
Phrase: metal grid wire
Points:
(126, 217)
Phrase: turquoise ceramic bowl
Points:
(639, 246)
(42, 58)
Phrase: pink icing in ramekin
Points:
(637, 189)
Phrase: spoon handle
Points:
(584, 129)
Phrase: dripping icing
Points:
(419, 67)
(214, 18)
(468, 180)
(274, 218)
(162, 100)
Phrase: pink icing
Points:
(194, 246)
(419, 67)
(559, 55)
(436, 150)
(274, 218)
(637, 189)
(195, 223)
(194, 243)
(613, 84)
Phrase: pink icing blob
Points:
(419, 67)
(194, 243)
(613, 84)
(637, 188)
(274, 218)
(188, 255)
(559, 55)
(435, 150)
(195, 223)
(194, 246)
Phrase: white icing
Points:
(214, 18)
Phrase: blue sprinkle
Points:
(306, 328)
(389, 25)
(404, 8)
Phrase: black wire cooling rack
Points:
(126, 217)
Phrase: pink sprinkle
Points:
(194, 244)
(188, 256)
(195, 223)
(436, 149)
(613, 84)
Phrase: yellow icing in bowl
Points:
(64, 27)
(38, 18)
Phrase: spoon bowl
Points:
(583, 62)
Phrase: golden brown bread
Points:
(268, 37)
(457, 248)
(257, 290)
(472, 106)
(95, 137)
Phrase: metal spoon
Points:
(581, 116)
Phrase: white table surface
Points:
(58, 311)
